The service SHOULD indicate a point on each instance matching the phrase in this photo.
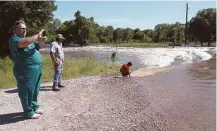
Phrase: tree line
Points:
(83, 31)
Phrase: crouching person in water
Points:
(125, 69)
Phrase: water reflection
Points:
(203, 72)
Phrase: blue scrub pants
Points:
(28, 83)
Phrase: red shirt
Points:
(125, 68)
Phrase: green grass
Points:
(7, 78)
(213, 44)
(73, 68)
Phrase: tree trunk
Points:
(209, 43)
(209, 40)
(201, 44)
(4, 37)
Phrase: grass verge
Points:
(73, 68)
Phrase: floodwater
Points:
(185, 95)
(142, 57)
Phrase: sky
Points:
(123, 14)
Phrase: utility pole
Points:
(175, 34)
(186, 24)
(116, 47)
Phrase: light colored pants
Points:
(58, 75)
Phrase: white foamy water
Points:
(157, 57)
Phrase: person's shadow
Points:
(42, 88)
(11, 118)
(46, 88)
(11, 91)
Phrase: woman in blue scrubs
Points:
(27, 67)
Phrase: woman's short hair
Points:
(17, 23)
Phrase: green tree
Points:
(83, 29)
(57, 23)
(94, 29)
(162, 31)
(149, 35)
(176, 33)
(68, 29)
(109, 33)
(35, 13)
(118, 35)
(139, 36)
(128, 34)
(203, 25)
(101, 33)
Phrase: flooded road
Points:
(185, 95)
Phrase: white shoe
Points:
(35, 116)
(39, 111)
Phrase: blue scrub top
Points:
(27, 56)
